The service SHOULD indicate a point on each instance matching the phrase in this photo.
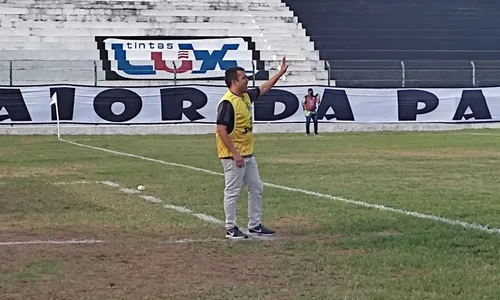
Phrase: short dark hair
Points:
(232, 74)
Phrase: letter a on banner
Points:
(53, 101)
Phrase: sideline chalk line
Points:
(311, 193)
(171, 241)
(182, 209)
(153, 199)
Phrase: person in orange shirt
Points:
(310, 105)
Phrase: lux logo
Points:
(209, 60)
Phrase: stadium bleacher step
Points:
(273, 26)
(109, 19)
(60, 32)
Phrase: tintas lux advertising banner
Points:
(198, 104)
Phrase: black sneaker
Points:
(261, 230)
(235, 234)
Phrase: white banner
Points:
(195, 58)
(198, 104)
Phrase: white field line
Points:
(122, 189)
(178, 208)
(483, 133)
(73, 182)
(38, 242)
(110, 183)
(186, 241)
(211, 240)
(311, 193)
(153, 199)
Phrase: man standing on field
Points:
(234, 139)
(309, 105)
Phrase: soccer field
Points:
(407, 215)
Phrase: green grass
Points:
(36, 271)
(326, 249)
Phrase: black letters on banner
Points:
(335, 105)
(65, 103)
(265, 105)
(408, 104)
(477, 103)
(105, 99)
(338, 101)
(12, 100)
(172, 101)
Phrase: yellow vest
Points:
(242, 134)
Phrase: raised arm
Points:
(266, 86)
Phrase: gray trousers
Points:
(234, 179)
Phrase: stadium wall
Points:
(191, 109)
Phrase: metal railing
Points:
(147, 73)
(415, 73)
(340, 73)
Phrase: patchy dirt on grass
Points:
(387, 232)
(442, 153)
(353, 159)
(293, 161)
(12, 234)
(351, 252)
(295, 222)
(29, 171)
(133, 270)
